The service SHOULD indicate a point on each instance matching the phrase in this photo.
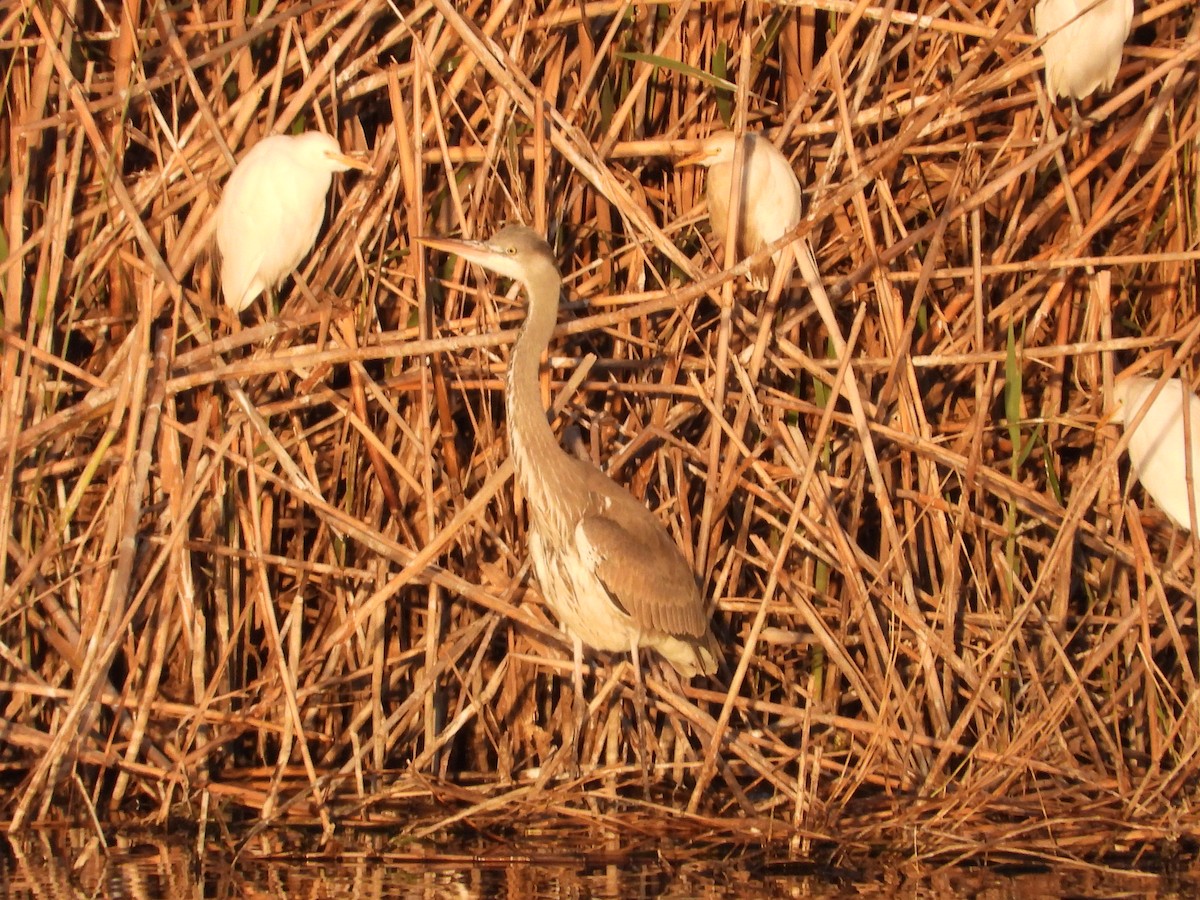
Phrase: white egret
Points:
(271, 210)
(1084, 40)
(771, 201)
(1158, 452)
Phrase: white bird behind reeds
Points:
(271, 210)
(1084, 40)
(771, 201)
(1162, 453)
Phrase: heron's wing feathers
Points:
(642, 570)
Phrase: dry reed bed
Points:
(254, 569)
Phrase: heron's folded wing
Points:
(643, 572)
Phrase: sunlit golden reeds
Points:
(277, 567)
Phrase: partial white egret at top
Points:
(771, 201)
(1158, 452)
(1084, 40)
(271, 210)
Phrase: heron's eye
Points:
(511, 251)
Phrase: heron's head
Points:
(515, 251)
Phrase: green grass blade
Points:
(682, 68)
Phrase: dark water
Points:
(55, 864)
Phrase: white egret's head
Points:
(714, 150)
(1127, 395)
(321, 151)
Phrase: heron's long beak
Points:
(472, 251)
(353, 162)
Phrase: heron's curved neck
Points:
(529, 429)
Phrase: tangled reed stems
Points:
(276, 568)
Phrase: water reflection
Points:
(290, 863)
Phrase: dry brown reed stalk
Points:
(281, 570)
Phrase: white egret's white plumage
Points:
(606, 566)
(1158, 453)
(1084, 40)
(271, 210)
(771, 202)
